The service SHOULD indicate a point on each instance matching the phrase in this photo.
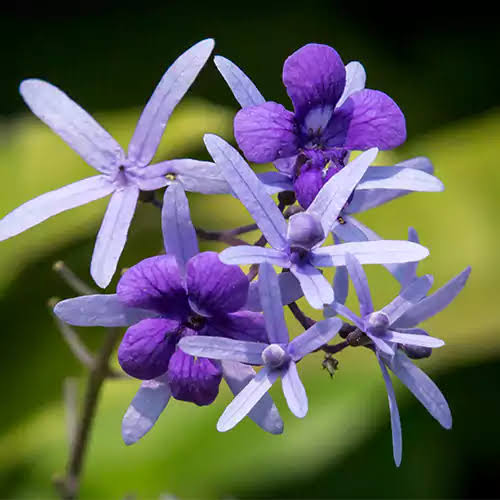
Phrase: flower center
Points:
(170, 177)
(195, 322)
(274, 356)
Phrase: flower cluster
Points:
(194, 318)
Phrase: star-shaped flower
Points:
(163, 299)
(278, 357)
(122, 175)
(296, 245)
(393, 331)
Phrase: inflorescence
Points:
(195, 318)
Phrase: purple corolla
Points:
(334, 114)
(379, 184)
(278, 356)
(122, 175)
(393, 331)
(297, 245)
(163, 299)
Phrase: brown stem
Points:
(68, 485)
(304, 320)
(333, 349)
(223, 236)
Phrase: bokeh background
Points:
(442, 71)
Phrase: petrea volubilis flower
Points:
(296, 245)
(393, 332)
(163, 299)
(379, 184)
(122, 175)
(278, 356)
(333, 114)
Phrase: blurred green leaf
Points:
(184, 454)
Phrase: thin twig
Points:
(72, 280)
(68, 485)
(75, 344)
(333, 349)
(70, 396)
(304, 320)
(71, 338)
(220, 236)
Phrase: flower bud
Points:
(377, 322)
(274, 356)
(305, 231)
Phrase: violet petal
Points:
(308, 184)
(397, 440)
(289, 287)
(169, 91)
(144, 410)
(422, 387)
(147, 346)
(431, 305)
(155, 284)
(247, 399)
(249, 190)
(214, 287)
(112, 235)
(179, 235)
(360, 282)
(195, 176)
(194, 380)
(244, 254)
(317, 290)
(41, 208)
(266, 132)
(264, 413)
(355, 80)
(408, 297)
(272, 306)
(294, 391)
(99, 310)
(275, 182)
(314, 337)
(334, 194)
(314, 76)
(241, 325)
(73, 124)
(369, 252)
(369, 118)
(347, 313)
(243, 89)
(412, 339)
(222, 348)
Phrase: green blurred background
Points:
(108, 56)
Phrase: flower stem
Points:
(304, 320)
(68, 485)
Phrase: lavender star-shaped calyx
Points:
(297, 245)
(121, 175)
(393, 331)
(163, 299)
(278, 356)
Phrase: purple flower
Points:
(121, 175)
(296, 245)
(278, 356)
(334, 114)
(164, 299)
(378, 185)
(393, 329)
